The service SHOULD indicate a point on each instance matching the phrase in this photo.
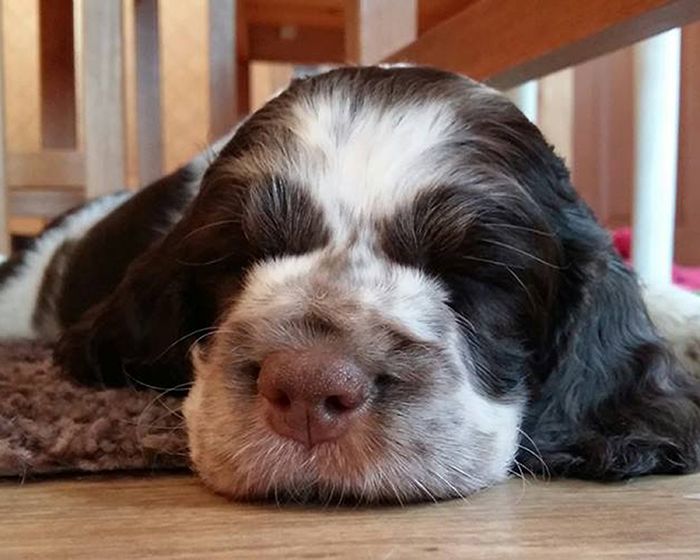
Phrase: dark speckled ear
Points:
(120, 302)
(613, 401)
(138, 335)
(142, 327)
(173, 292)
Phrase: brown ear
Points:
(614, 402)
(139, 334)
(168, 297)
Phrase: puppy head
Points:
(381, 228)
(406, 282)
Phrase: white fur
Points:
(401, 295)
(365, 165)
(379, 161)
(676, 314)
(18, 296)
(371, 164)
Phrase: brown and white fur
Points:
(419, 225)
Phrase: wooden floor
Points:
(174, 517)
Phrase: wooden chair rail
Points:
(508, 42)
(45, 169)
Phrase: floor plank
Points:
(174, 517)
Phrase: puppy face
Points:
(378, 216)
(399, 288)
(411, 300)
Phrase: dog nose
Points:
(312, 396)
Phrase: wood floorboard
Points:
(173, 516)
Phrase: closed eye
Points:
(401, 341)
(433, 227)
(281, 219)
(458, 231)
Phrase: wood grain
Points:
(432, 12)
(26, 226)
(48, 168)
(45, 203)
(688, 209)
(148, 95)
(314, 31)
(511, 41)
(174, 517)
(330, 14)
(57, 57)
(301, 45)
(103, 83)
(58, 90)
(223, 89)
(603, 131)
(556, 110)
(243, 44)
(306, 13)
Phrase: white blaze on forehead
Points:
(401, 294)
(370, 160)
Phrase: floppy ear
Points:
(168, 298)
(607, 399)
(612, 401)
(134, 335)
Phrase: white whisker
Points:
(522, 252)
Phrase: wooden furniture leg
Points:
(103, 83)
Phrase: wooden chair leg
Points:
(103, 85)
(223, 86)
(375, 29)
(242, 60)
(555, 116)
(148, 85)
(57, 58)
(4, 198)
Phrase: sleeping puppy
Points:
(393, 292)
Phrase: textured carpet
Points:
(50, 425)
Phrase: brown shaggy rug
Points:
(50, 425)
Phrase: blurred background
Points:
(169, 48)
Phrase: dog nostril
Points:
(251, 370)
(280, 400)
(339, 404)
(312, 396)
